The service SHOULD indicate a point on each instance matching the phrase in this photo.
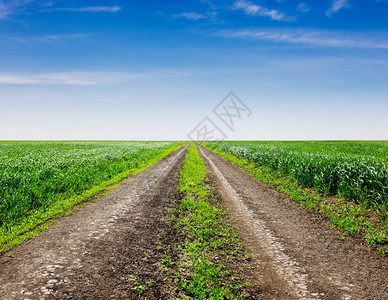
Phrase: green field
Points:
(356, 171)
(38, 180)
(367, 149)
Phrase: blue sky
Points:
(155, 69)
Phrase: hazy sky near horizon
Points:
(154, 69)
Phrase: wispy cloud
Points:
(68, 78)
(14, 7)
(4, 11)
(85, 78)
(62, 78)
(190, 16)
(57, 39)
(10, 7)
(303, 7)
(91, 9)
(312, 37)
(211, 5)
(13, 38)
(336, 6)
(252, 9)
(60, 38)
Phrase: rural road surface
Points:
(299, 256)
(98, 252)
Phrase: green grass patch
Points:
(349, 217)
(206, 236)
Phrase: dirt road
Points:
(299, 256)
(98, 252)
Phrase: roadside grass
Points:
(15, 233)
(208, 240)
(346, 216)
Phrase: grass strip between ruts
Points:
(346, 216)
(39, 221)
(207, 239)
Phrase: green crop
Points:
(356, 171)
(40, 179)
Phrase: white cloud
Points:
(9, 7)
(83, 78)
(60, 38)
(190, 16)
(313, 37)
(211, 5)
(336, 6)
(252, 9)
(303, 7)
(12, 7)
(66, 78)
(4, 11)
(57, 39)
(92, 9)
